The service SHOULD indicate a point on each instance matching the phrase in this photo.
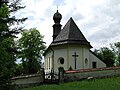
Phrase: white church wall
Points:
(99, 63)
(83, 54)
(78, 51)
(86, 58)
(60, 53)
(48, 62)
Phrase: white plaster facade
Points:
(84, 60)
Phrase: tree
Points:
(7, 45)
(106, 55)
(117, 45)
(116, 49)
(18, 69)
(31, 46)
(7, 63)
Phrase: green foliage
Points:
(8, 21)
(7, 57)
(7, 62)
(106, 55)
(96, 84)
(3, 24)
(110, 55)
(18, 69)
(7, 45)
(116, 49)
(31, 47)
(4, 11)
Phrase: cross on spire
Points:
(57, 7)
(75, 57)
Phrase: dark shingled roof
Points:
(70, 34)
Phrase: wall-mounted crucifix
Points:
(75, 57)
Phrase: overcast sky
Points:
(99, 20)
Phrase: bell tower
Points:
(57, 26)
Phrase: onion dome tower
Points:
(57, 26)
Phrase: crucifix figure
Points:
(75, 57)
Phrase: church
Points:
(69, 49)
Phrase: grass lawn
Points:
(97, 84)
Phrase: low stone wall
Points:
(28, 80)
(68, 76)
(77, 75)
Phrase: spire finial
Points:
(57, 8)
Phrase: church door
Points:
(94, 64)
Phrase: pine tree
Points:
(8, 32)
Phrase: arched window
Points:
(86, 61)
